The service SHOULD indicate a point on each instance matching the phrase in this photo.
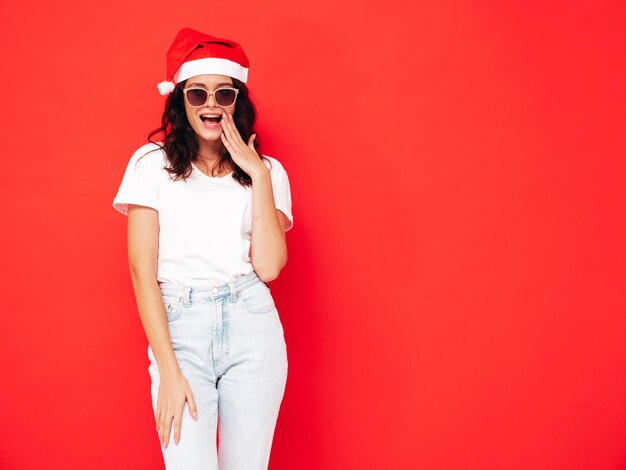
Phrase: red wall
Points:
(455, 292)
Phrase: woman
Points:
(207, 216)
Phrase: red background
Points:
(455, 292)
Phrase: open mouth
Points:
(211, 118)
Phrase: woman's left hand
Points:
(244, 155)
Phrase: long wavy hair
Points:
(180, 141)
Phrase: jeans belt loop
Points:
(233, 291)
(186, 295)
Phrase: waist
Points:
(210, 292)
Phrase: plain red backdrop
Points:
(455, 292)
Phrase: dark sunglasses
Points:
(199, 96)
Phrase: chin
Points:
(209, 135)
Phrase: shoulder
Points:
(149, 155)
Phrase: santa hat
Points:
(194, 53)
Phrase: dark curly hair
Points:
(180, 141)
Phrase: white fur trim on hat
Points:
(165, 88)
(211, 65)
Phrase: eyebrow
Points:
(204, 86)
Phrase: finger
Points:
(226, 143)
(177, 424)
(224, 121)
(235, 145)
(159, 420)
(162, 429)
(251, 141)
(157, 415)
(239, 138)
(228, 130)
(225, 131)
(193, 409)
(168, 428)
(234, 135)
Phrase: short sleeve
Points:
(282, 191)
(139, 184)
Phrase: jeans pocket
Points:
(257, 299)
(173, 307)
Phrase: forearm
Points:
(268, 247)
(154, 320)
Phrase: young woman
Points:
(207, 216)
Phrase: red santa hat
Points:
(194, 53)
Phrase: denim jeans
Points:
(230, 346)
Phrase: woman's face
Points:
(207, 129)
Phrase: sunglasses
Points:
(199, 96)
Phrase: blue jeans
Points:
(230, 346)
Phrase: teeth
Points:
(205, 117)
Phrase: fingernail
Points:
(195, 415)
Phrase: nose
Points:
(211, 101)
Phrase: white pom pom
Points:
(165, 88)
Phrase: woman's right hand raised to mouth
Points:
(174, 390)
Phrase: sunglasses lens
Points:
(196, 97)
(225, 96)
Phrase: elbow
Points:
(269, 272)
(267, 275)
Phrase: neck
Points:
(209, 152)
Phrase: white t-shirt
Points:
(205, 223)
